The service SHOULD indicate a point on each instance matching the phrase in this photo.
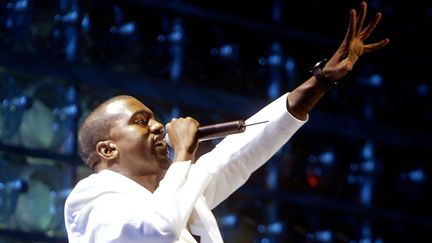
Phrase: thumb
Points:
(347, 65)
(339, 71)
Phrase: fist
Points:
(182, 134)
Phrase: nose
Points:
(156, 127)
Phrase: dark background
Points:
(358, 171)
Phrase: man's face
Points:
(139, 137)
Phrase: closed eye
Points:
(141, 121)
(141, 118)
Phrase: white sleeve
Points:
(120, 216)
(234, 159)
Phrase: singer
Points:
(137, 194)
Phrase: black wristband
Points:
(316, 71)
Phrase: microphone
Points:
(220, 130)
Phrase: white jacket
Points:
(109, 207)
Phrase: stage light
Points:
(323, 236)
(327, 157)
(275, 228)
(290, 65)
(423, 89)
(417, 176)
(229, 220)
(124, 29)
(226, 51)
(18, 5)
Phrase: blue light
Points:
(70, 17)
(85, 23)
(229, 220)
(9, 23)
(265, 240)
(177, 33)
(127, 29)
(290, 65)
(21, 5)
(375, 80)
(423, 89)
(368, 165)
(366, 192)
(327, 158)
(416, 175)
(175, 112)
(57, 17)
(324, 236)
(367, 151)
(275, 59)
(226, 50)
(275, 228)
(273, 90)
(261, 228)
(272, 177)
(16, 185)
(18, 6)
(71, 44)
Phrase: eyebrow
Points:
(143, 112)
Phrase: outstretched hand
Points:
(353, 47)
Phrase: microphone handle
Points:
(220, 130)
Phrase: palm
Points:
(353, 47)
(356, 49)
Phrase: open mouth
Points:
(161, 147)
(160, 142)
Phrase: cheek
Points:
(137, 143)
(138, 139)
(143, 143)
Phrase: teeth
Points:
(160, 143)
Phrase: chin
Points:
(165, 163)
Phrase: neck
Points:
(150, 182)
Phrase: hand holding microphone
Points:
(219, 130)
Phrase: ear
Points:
(107, 150)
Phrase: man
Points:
(139, 195)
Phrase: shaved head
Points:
(95, 128)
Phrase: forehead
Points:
(127, 106)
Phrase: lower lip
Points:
(162, 148)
